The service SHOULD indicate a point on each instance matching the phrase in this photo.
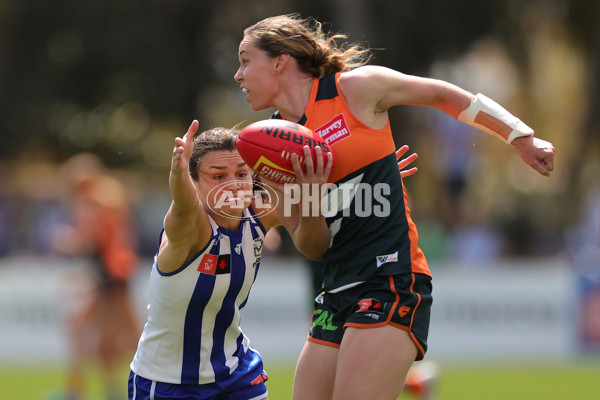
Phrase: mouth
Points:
(244, 90)
(235, 202)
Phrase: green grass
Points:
(551, 382)
(573, 381)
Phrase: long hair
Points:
(316, 52)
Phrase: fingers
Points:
(328, 166)
(319, 157)
(546, 168)
(538, 154)
(542, 167)
(406, 161)
(408, 172)
(545, 164)
(316, 170)
(189, 135)
(548, 160)
(177, 150)
(401, 151)
(297, 167)
(308, 161)
(181, 144)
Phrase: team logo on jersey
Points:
(334, 130)
(224, 264)
(215, 265)
(386, 259)
(258, 245)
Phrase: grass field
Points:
(573, 381)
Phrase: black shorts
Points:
(403, 301)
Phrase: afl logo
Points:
(229, 199)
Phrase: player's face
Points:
(256, 76)
(225, 183)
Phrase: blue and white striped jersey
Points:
(193, 334)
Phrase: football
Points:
(267, 145)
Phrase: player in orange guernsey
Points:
(371, 319)
(104, 327)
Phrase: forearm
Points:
(184, 207)
(489, 116)
(183, 191)
(312, 237)
(307, 228)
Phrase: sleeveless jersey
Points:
(367, 206)
(193, 334)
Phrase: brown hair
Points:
(216, 139)
(316, 52)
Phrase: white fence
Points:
(528, 310)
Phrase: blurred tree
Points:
(61, 58)
(583, 25)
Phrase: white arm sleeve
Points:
(489, 116)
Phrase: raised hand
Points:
(183, 149)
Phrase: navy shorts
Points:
(242, 384)
(403, 301)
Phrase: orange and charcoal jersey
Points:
(115, 258)
(366, 208)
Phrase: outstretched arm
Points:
(387, 88)
(186, 224)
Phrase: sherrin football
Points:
(267, 145)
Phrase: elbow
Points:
(314, 251)
(314, 256)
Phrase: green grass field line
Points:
(572, 381)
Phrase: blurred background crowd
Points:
(121, 78)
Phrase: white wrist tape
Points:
(489, 116)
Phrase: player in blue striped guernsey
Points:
(209, 253)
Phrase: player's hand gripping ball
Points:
(266, 146)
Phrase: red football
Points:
(266, 146)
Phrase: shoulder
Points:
(365, 74)
(367, 82)
(177, 247)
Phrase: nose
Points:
(238, 75)
(234, 183)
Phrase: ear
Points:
(282, 61)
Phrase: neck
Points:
(227, 222)
(297, 95)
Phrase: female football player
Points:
(371, 320)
